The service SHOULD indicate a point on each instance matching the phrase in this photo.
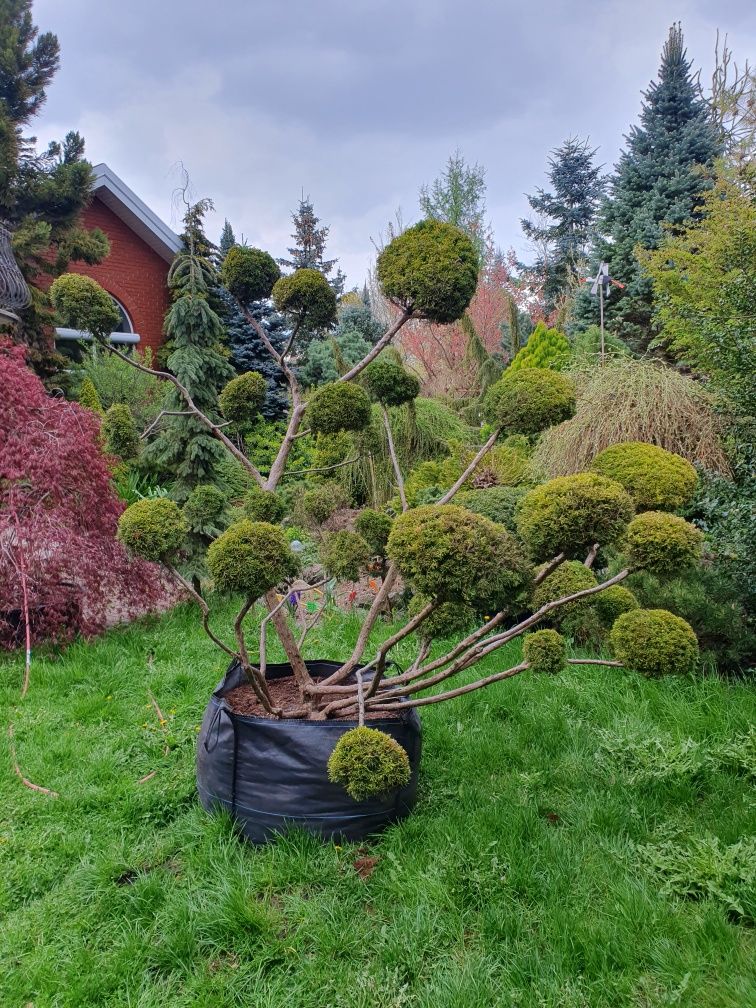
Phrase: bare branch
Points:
(550, 567)
(592, 554)
(481, 454)
(459, 691)
(17, 770)
(367, 626)
(394, 458)
(146, 433)
(205, 609)
(382, 343)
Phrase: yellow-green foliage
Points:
(656, 479)
(344, 554)
(263, 505)
(528, 400)
(320, 503)
(307, 295)
(545, 651)
(368, 763)
(374, 527)
(546, 348)
(389, 383)
(661, 543)
(612, 602)
(448, 553)
(449, 619)
(570, 576)
(249, 273)
(340, 406)
(242, 398)
(432, 269)
(119, 433)
(89, 397)
(250, 558)
(571, 513)
(654, 642)
(153, 528)
(82, 304)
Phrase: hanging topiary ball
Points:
(431, 269)
(447, 620)
(307, 295)
(545, 651)
(388, 383)
(251, 558)
(570, 577)
(612, 602)
(654, 642)
(368, 763)
(243, 397)
(529, 400)
(249, 273)
(153, 528)
(656, 479)
(662, 543)
(340, 406)
(81, 303)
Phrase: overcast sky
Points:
(356, 102)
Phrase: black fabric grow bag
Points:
(271, 774)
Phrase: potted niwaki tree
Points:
(334, 746)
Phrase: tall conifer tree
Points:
(309, 246)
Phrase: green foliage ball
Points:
(570, 576)
(654, 642)
(656, 479)
(661, 543)
(308, 296)
(320, 502)
(153, 528)
(82, 304)
(431, 269)
(499, 503)
(204, 507)
(528, 400)
(449, 619)
(242, 398)
(263, 505)
(367, 763)
(374, 527)
(249, 273)
(119, 432)
(571, 513)
(341, 406)
(344, 554)
(448, 553)
(388, 383)
(545, 651)
(250, 558)
(613, 602)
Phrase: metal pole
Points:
(601, 315)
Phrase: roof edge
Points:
(162, 239)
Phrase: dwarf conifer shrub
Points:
(389, 383)
(499, 503)
(571, 513)
(374, 527)
(250, 558)
(344, 554)
(263, 505)
(308, 297)
(656, 479)
(662, 543)
(654, 642)
(153, 528)
(340, 406)
(528, 400)
(432, 269)
(545, 651)
(243, 397)
(367, 763)
(570, 577)
(89, 397)
(546, 348)
(249, 273)
(320, 503)
(83, 304)
(119, 433)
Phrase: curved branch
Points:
(481, 454)
(394, 458)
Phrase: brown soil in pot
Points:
(284, 693)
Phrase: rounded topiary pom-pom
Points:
(545, 651)
(263, 505)
(431, 269)
(119, 432)
(341, 406)
(153, 528)
(374, 527)
(82, 304)
(308, 296)
(242, 398)
(204, 507)
(250, 558)
(662, 543)
(612, 602)
(448, 620)
(344, 554)
(654, 642)
(368, 763)
(529, 400)
(570, 576)
(571, 513)
(656, 479)
(387, 382)
(249, 273)
(446, 552)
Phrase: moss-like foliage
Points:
(344, 554)
(119, 432)
(546, 348)
(570, 576)
(263, 505)
(153, 528)
(654, 642)
(449, 619)
(89, 397)
(204, 507)
(571, 513)
(249, 273)
(656, 479)
(529, 400)
(374, 527)
(387, 382)
(545, 651)
(368, 763)
(661, 543)
(612, 602)
(320, 503)
(448, 553)
(340, 406)
(432, 269)
(499, 503)
(250, 558)
(243, 397)
(82, 304)
(307, 295)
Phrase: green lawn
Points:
(561, 823)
